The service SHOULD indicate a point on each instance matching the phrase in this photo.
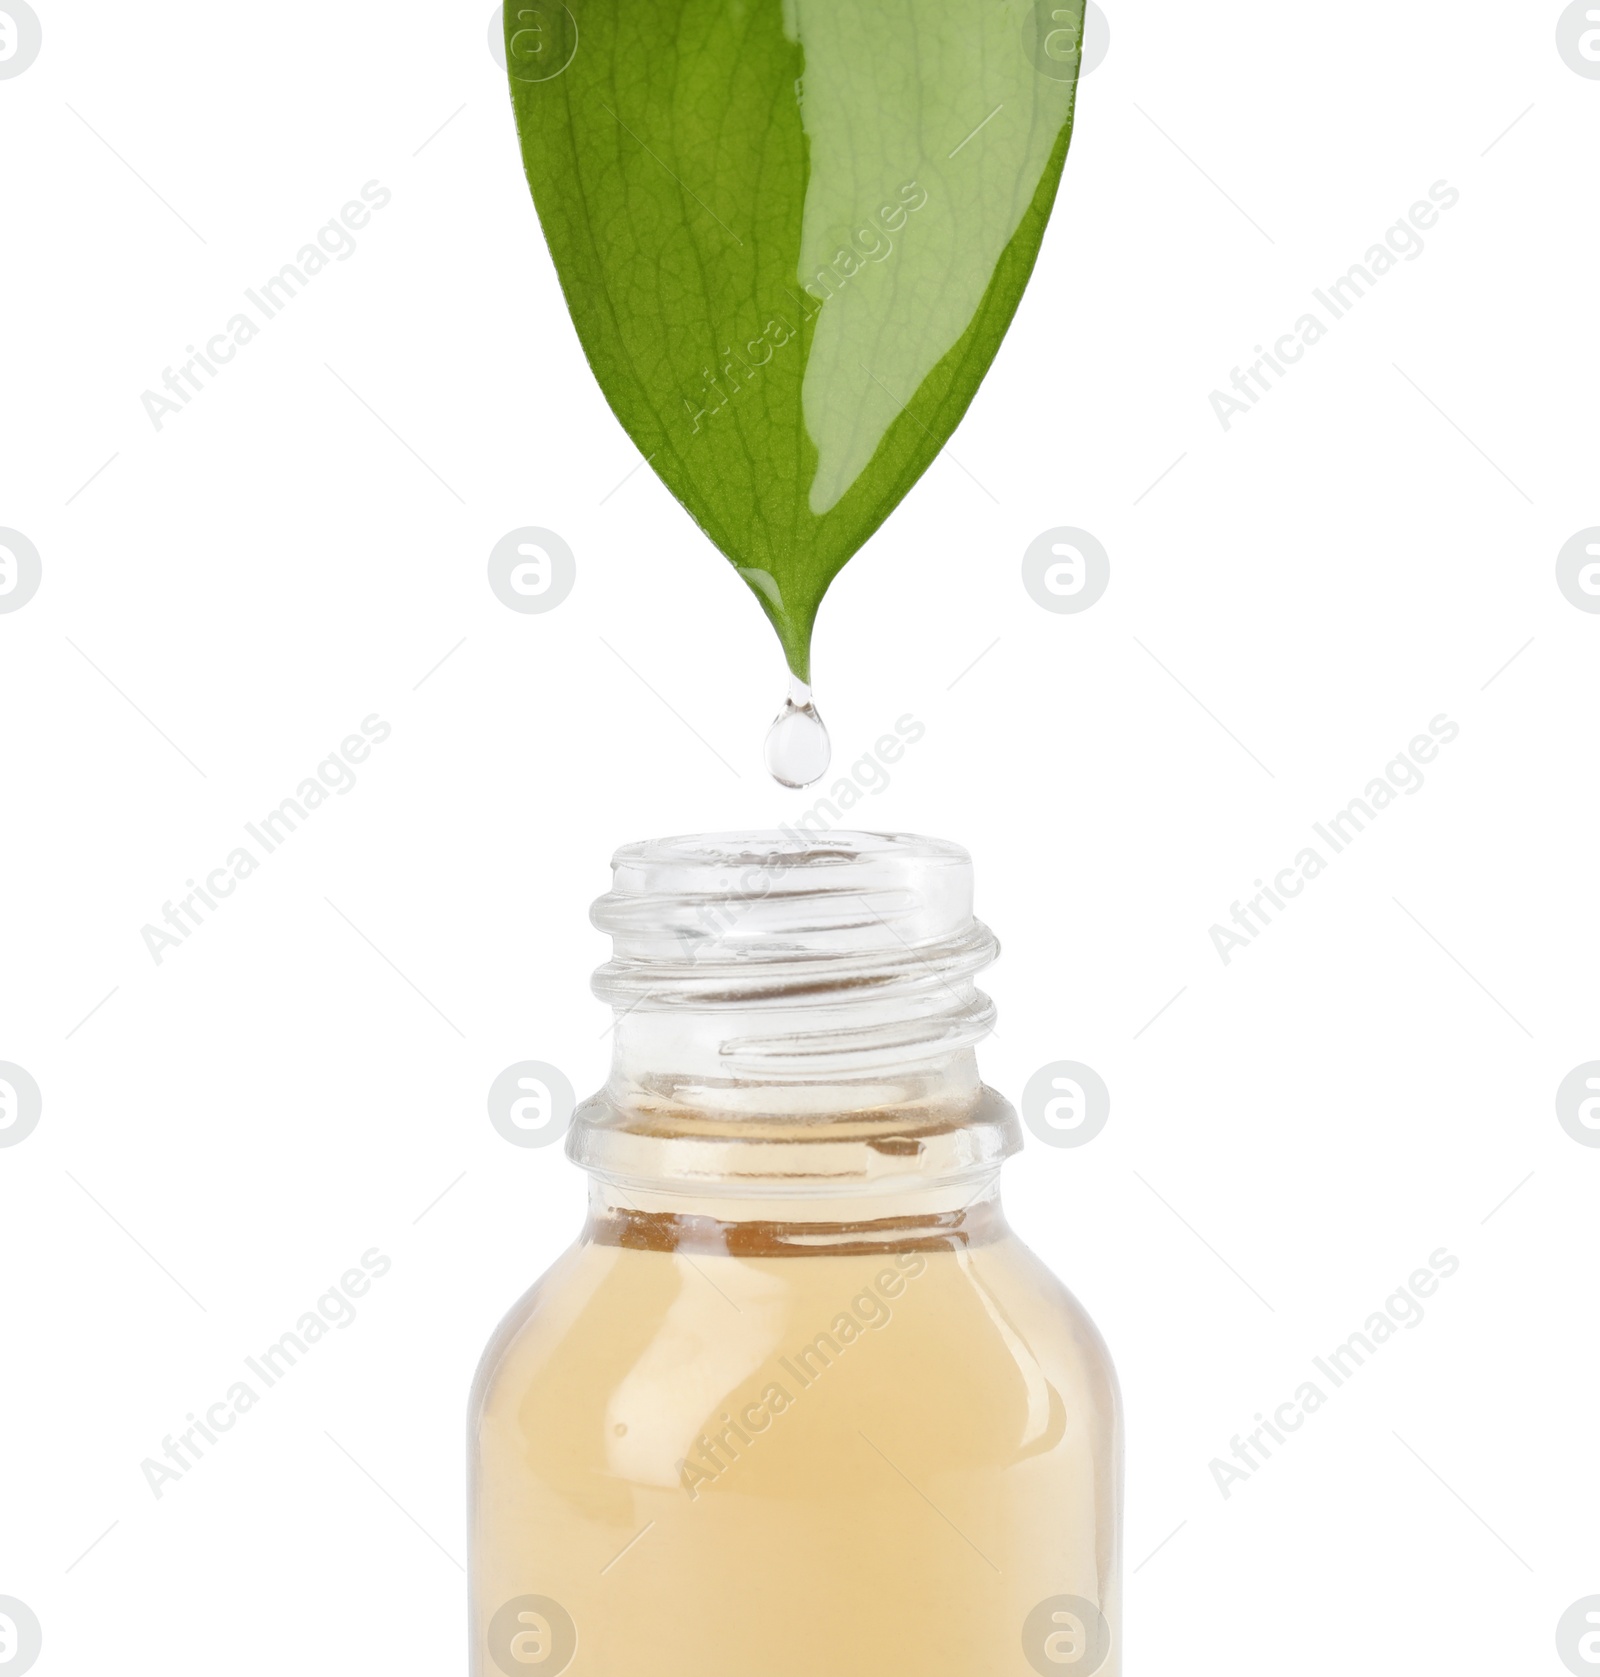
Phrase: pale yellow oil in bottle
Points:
(862, 1458)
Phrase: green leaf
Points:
(792, 234)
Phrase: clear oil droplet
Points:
(798, 747)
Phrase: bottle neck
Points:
(795, 1020)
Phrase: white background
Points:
(228, 597)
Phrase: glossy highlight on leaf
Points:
(792, 234)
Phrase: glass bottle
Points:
(797, 1400)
